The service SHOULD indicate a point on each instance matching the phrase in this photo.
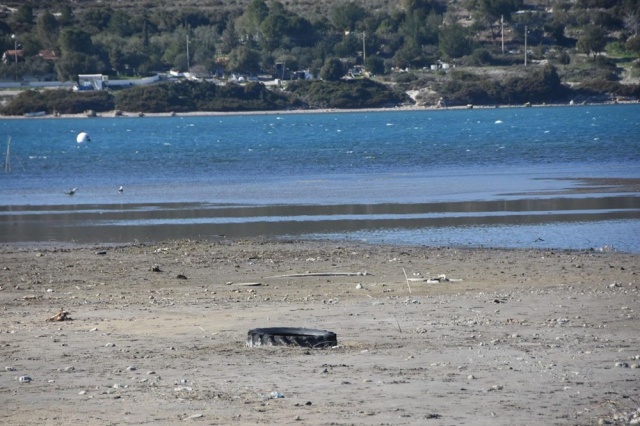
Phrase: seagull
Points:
(71, 191)
(121, 189)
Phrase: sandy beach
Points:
(134, 114)
(156, 334)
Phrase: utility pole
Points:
(188, 62)
(502, 31)
(15, 52)
(364, 50)
(525, 45)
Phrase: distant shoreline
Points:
(128, 114)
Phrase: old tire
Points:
(288, 336)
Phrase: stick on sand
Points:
(407, 279)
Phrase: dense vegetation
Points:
(206, 96)
(592, 42)
(201, 96)
(59, 101)
(347, 94)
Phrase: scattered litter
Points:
(24, 379)
(101, 252)
(60, 316)
(276, 394)
(442, 278)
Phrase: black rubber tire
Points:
(290, 336)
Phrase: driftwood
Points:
(255, 284)
(60, 316)
(322, 274)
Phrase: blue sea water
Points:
(410, 177)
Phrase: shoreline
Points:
(409, 108)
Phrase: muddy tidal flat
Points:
(155, 334)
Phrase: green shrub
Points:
(59, 101)
(361, 93)
(201, 96)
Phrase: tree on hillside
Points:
(274, 29)
(632, 23)
(47, 29)
(95, 20)
(332, 70)
(76, 55)
(74, 40)
(66, 15)
(24, 15)
(492, 11)
(454, 41)
(425, 7)
(229, 39)
(345, 16)
(249, 23)
(633, 45)
(73, 63)
(245, 60)
(592, 41)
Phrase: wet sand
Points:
(585, 201)
(158, 333)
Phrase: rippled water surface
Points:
(497, 177)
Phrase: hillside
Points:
(472, 51)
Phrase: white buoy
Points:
(83, 137)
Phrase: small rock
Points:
(622, 365)
(24, 379)
(276, 395)
(110, 345)
(132, 368)
(10, 369)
